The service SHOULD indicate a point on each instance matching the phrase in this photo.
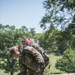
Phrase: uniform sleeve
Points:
(23, 68)
(35, 53)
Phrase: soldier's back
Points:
(31, 58)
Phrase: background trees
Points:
(60, 14)
(11, 36)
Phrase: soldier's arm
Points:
(23, 68)
(35, 53)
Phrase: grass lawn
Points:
(52, 69)
(3, 73)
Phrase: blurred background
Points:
(51, 22)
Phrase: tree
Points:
(7, 40)
(70, 34)
(58, 13)
(24, 29)
(49, 39)
(32, 31)
(67, 39)
(10, 36)
(7, 63)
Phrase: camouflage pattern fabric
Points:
(43, 53)
(23, 68)
(30, 61)
(41, 50)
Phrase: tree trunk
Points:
(11, 73)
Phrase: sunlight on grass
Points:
(52, 69)
(2, 72)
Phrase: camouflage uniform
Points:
(30, 61)
(43, 53)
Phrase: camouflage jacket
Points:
(31, 58)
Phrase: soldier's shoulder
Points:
(28, 47)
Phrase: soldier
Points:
(34, 44)
(14, 51)
(30, 60)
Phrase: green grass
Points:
(52, 69)
(2, 72)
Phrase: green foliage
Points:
(32, 30)
(59, 13)
(10, 36)
(58, 41)
(65, 3)
(67, 63)
(52, 70)
(7, 63)
(52, 40)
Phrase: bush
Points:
(67, 63)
